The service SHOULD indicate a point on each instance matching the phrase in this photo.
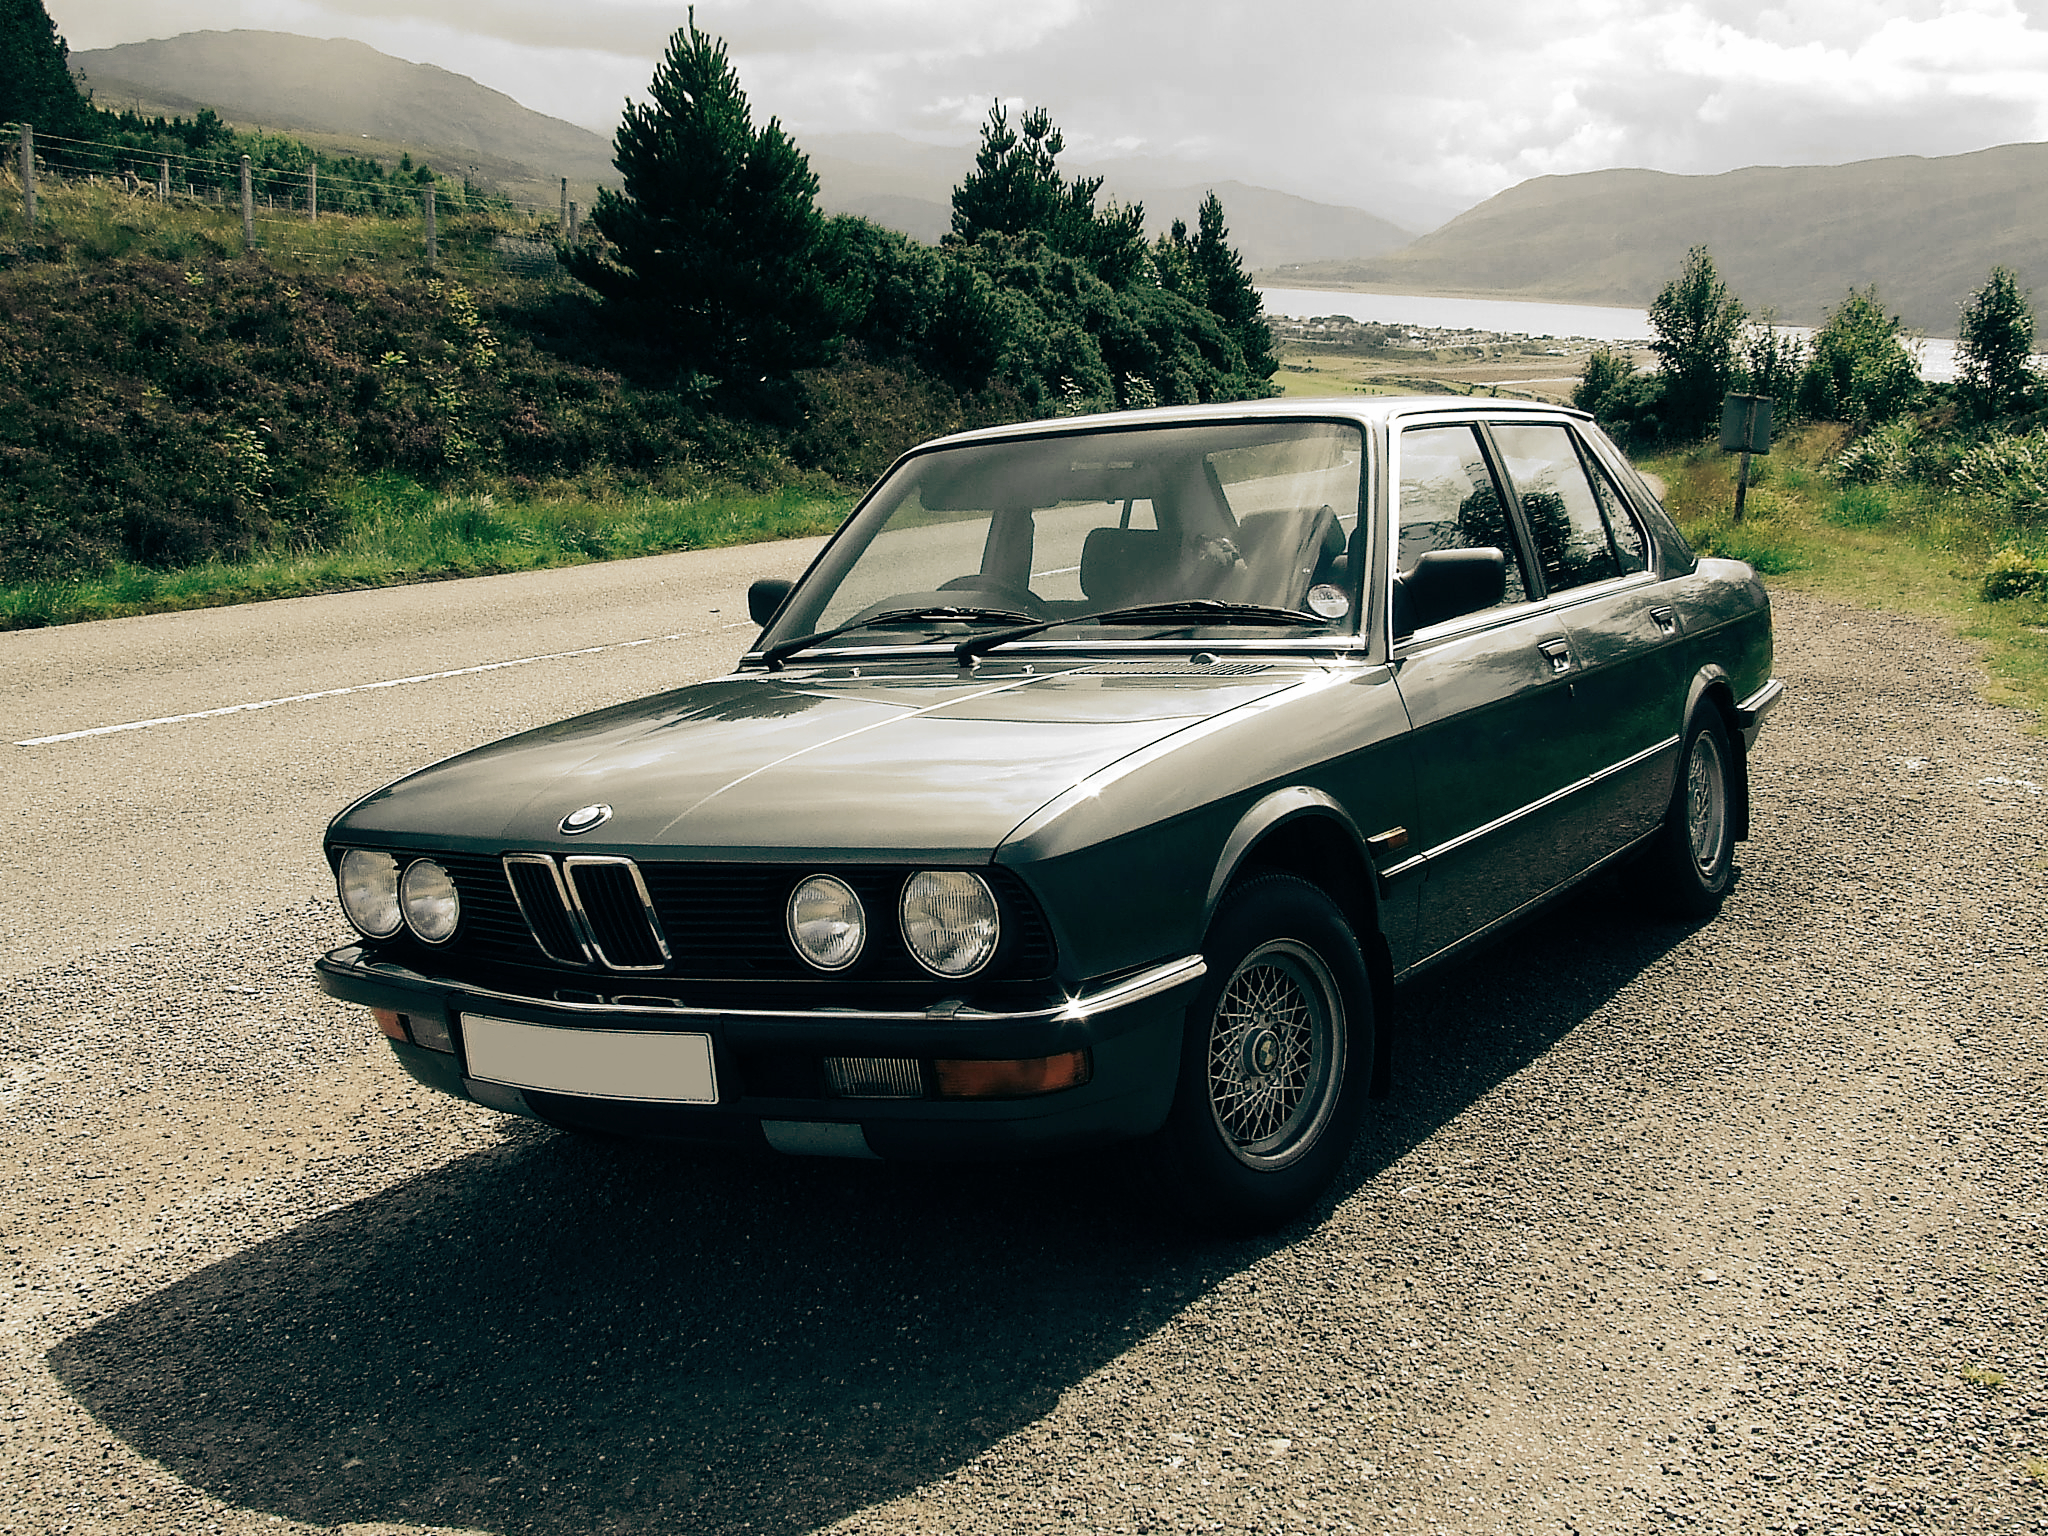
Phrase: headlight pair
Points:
(379, 898)
(948, 918)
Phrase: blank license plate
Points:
(652, 1066)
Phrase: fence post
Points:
(248, 209)
(563, 226)
(28, 172)
(313, 192)
(575, 226)
(163, 180)
(427, 210)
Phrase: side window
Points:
(1630, 542)
(1558, 502)
(1450, 500)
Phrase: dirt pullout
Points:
(1731, 1227)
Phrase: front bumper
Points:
(766, 1063)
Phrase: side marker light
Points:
(1011, 1079)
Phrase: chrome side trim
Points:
(1464, 839)
(1121, 994)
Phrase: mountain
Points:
(909, 186)
(1926, 231)
(348, 98)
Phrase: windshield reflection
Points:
(1064, 527)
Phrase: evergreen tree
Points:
(1016, 188)
(1227, 291)
(35, 79)
(1696, 321)
(1995, 346)
(715, 241)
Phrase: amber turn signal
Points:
(1010, 1079)
(393, 1024)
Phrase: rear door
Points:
(1595, 563)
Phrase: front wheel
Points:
(1693, 863)
(1275, 1061)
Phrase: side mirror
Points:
(766, 597)
(1446, 583)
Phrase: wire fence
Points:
(288, 199)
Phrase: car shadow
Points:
(559, 1335)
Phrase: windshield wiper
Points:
(1199, 610)
(782, 650)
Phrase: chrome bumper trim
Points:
(1749, 714)
(1121, 994)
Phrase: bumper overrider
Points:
(946, 1081)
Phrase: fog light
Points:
(1011, 1079)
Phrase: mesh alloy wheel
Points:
(1706, 805)
(1275, 1054)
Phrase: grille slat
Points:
(534, 883)
(620, 918)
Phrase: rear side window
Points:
(1574, 544)
(1450, 500)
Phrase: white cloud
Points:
(1372, 101)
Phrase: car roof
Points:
(1371, 410)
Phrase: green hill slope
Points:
(339, 94)
(1926, 231)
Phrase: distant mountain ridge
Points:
(349, 98)
(1926, 231)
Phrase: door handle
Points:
(1666, 620)
(1559, 653)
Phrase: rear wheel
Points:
(1693, 864)
(1275, 1061)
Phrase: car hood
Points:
(870, 762)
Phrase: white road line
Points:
(391, 682)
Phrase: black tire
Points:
(1275, 1063)
(1692, 865)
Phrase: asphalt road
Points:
(1731, 1227)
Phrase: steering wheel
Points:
(1006, 593)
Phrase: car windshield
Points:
(1200, 528)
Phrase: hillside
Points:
(339, 94)
(1926, 231)
(909, 186)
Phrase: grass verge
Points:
(1909, 548)
(398, 531)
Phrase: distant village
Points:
(1341, 333)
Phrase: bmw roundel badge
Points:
(583, 820)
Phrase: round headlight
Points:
(950, 921)
(369, 891)
(826, 923)
(432, 908)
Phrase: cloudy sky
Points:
(1412, 110)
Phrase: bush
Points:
(2010, 469)
(1892, 454)
(2012, 575)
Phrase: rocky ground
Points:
(1731, 1227)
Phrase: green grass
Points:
(1910, 548)
(398, 531)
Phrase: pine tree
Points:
(35, 79)
(1227, 291)
(1016, 188)
(715, 241)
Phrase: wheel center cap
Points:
(1261, 1052)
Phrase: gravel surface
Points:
(1737, 1227)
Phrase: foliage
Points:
(1772, 362)
(2011, 468)
(714, 242)
(1697, 323)
(1627, 403)
(1016, 188)
(1860, 370)
(1892, 454)
(35, 81)
(2012, 574)
(1995, 346)
(1208, 271)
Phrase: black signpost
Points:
(1745, 429)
